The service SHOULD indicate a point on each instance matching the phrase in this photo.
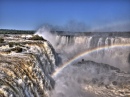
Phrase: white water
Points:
(75, 81)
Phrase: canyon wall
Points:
(25, 67)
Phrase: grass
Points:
(1, 40)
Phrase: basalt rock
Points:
(25, 68)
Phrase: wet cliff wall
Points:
(90, 41)
(25, 68)
(114, 49)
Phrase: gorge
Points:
(64, 65)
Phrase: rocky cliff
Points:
(25, 67)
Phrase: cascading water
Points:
(68, 46)
(25, 68)
(81, 78)
(93, 65)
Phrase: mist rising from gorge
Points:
(73, 26)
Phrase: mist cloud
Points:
(119, 26)
(79, 26)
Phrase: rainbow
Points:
(58, 70)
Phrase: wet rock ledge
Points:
(26, 64)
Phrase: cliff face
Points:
(114, 50)
(74, 44)
(89, 42)
(25, 68)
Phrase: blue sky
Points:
(31, 15)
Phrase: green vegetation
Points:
(17, 49)
(1, 40)
(11, 44)
(36, 37)
(7, 31)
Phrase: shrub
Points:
(36, 37)
(1, 40)
(17, 49)
(11, 44)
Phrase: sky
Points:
(96, 14)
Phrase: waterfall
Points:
(72, 45)
(89, 41)
(25, 68)
(76, 44)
